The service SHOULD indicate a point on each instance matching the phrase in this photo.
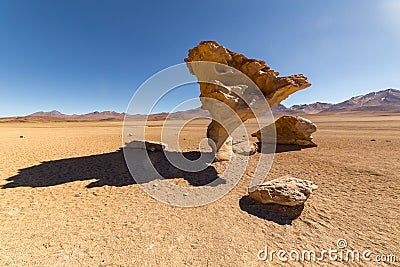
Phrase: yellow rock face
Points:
(289, 131)
(274, 88)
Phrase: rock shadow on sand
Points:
(107, 169)
(279, 214)
(281, 148)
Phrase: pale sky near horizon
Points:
(81, 56)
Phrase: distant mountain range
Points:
(104, 115)
(383, 101)
(313, 108)
(55, 113)
(386, 100)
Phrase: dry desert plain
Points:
(67, 199)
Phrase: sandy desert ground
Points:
(67, 199)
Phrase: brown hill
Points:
(386, 100)
(382, 101)
(310, 108)
(53, 113)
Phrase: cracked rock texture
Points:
(290, 130)
(287, 190)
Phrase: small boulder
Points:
(287, 190)
(243, 147)
(225, 151)
(149, 146)
(290, 130)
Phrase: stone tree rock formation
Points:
(274, 88)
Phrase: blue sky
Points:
(81, 56)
